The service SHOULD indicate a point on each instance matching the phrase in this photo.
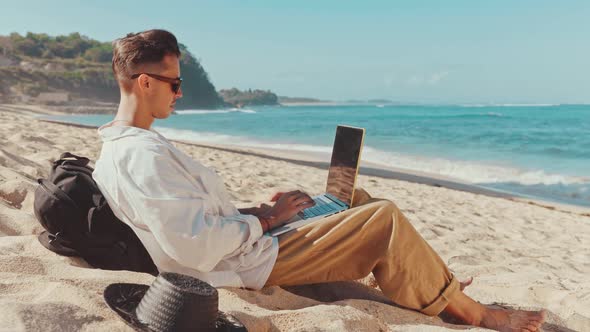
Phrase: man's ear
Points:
(144, 82)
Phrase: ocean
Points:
(537, 151)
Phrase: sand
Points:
(522, 254)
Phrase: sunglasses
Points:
(174, 82)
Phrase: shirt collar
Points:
(110, 132)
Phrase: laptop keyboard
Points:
(323, 206)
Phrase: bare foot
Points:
(464, 284)
(510, 320)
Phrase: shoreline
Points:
(314, 160)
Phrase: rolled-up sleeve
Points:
(182, 217)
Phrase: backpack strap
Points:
(86, 170)
(52, 189)
(55, 190)
(77, 160)
(73, 162)
(56, 243)
(71, 155)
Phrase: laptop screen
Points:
(345, 162)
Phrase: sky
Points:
(455, 51)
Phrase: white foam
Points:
(242, 110)
(220, 111)
(243, 141)
(468, 171)
(508, 105)
(202, 112)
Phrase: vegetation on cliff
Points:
(80, 66)
(248, 97)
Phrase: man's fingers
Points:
(305, 195)
(277, 196)
(308, 198)
(294, 195)
(305, 205)
(298, 195)
(304, 200)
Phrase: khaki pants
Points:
(373, 236)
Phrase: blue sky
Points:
(455, 51)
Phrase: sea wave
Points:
(467, 115)
(242, 141)
(468, 171)
(577, 194)
(508, 105)
(215, 111)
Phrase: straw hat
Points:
(174, 302)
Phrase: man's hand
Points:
(256, 211)
(276, 196)
(286, 207)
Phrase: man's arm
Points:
(255, 210)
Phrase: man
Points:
(182, 213)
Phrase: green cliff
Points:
(237, 98)
(36, 65)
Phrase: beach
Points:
(522, 253)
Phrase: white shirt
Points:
(180, 210)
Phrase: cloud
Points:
(428, 79)
(437, 77)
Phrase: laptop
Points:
(344, 166)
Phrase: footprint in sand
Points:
(464, 260)
(55, 316)
(20, 137)
(22, 265)
(15, 192)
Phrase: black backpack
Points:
(79, 222)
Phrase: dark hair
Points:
(145, 47)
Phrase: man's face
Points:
(161, 99)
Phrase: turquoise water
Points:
(534, 150)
